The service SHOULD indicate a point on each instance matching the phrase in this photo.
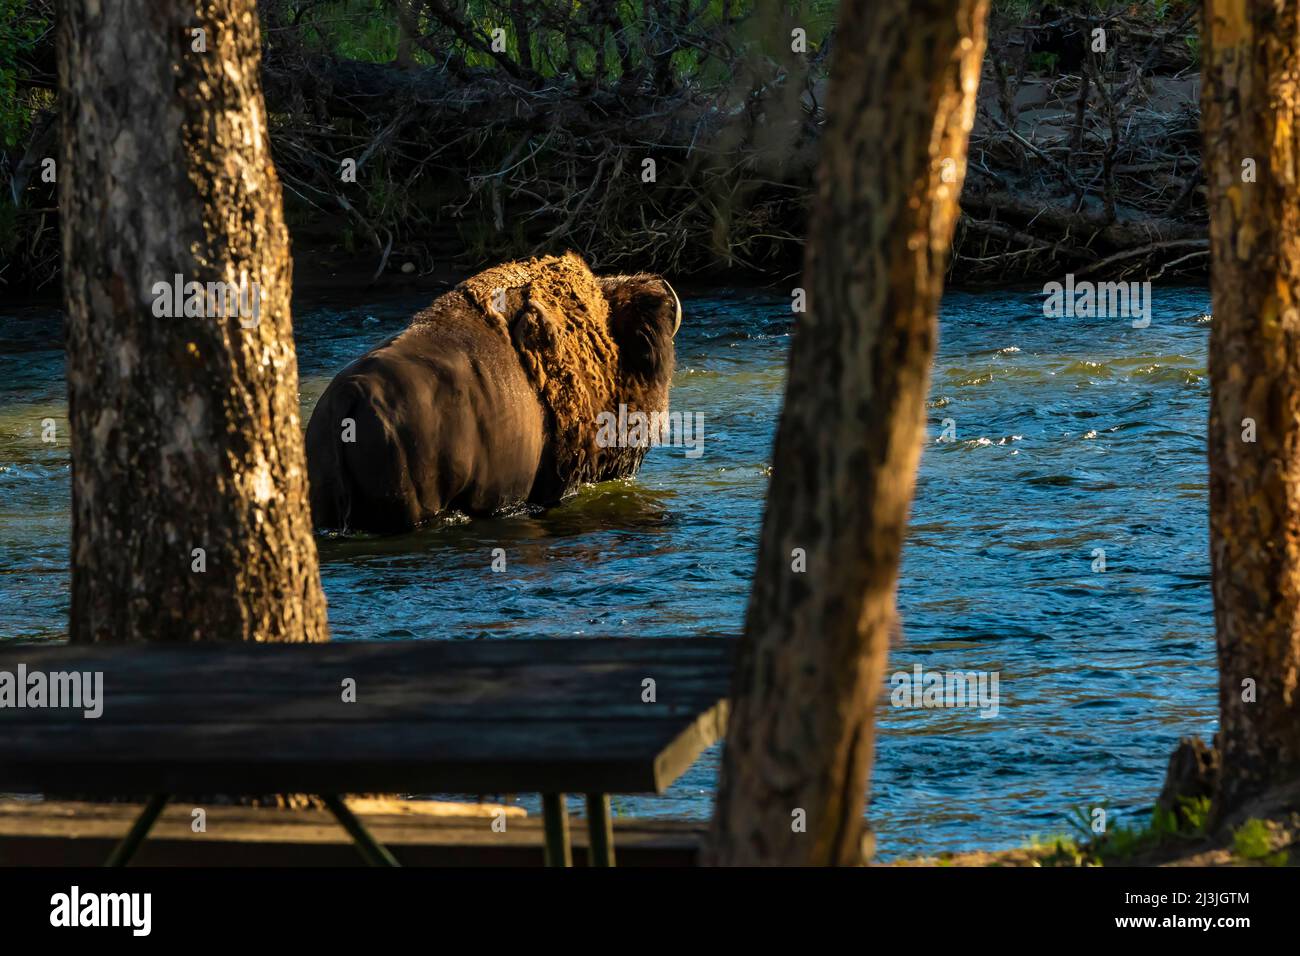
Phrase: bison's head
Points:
(593, 349)
(644, 315)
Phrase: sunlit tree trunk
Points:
(799, 747)
(1251, 114)
(189, 499)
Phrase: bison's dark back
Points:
(444, 420)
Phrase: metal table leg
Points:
(123, 852)
(556, 823)
(600, 830)
(372, 851)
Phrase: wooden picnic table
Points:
(550, 716)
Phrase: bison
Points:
(489, 399)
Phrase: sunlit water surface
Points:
(1072, 435)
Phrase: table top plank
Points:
(439, 716)
(394, 654)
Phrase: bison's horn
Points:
(678, 324)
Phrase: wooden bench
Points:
(593, 716)
(58, 833)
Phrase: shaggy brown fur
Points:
(562, 336)
(446, 419)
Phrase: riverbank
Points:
(1077, 163)
(697, 162)
(1265, 832)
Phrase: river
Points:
(1072, 435)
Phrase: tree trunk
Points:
(189, 483)
(900, 107)
(1250, 106)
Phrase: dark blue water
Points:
(1071, 435)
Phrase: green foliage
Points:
(21, 25)
(1043, 62)
(1195, 814)
(564, 33)
(1058, 850)
(1120, 844)
(1253, 842)
(364, 30)
(1016, 9)
(1157, 10)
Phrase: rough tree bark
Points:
(1250, 107)
(185, 431)
(900, 107)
